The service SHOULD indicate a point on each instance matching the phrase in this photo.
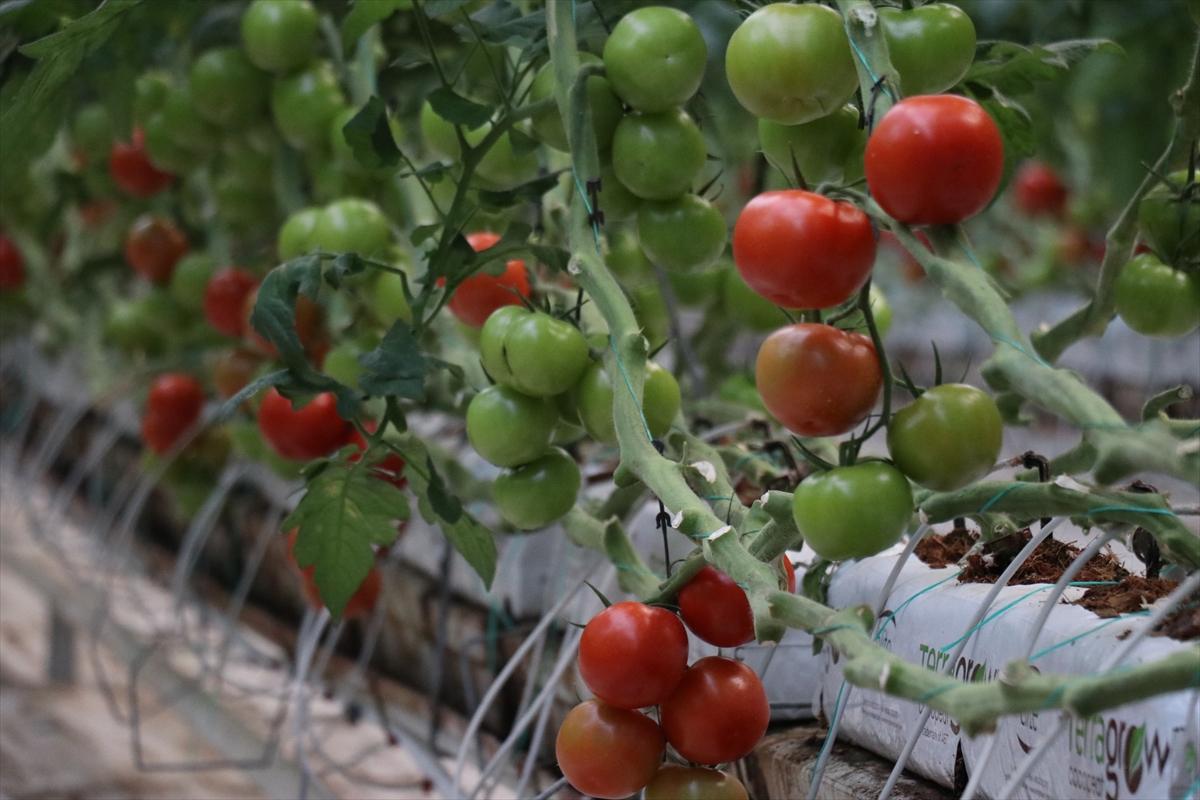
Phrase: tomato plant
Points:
(717, 713)
(12, 265)
(605, 106)
(350, 226)
(173, 406)
(826, 149)
(655, 58)
(658, 155)
(534, 353)
(1155, 299)
(297, 235)
(673, 782)
(1169, 222)
(948, 437)
(479, 295)
(227, 89)
(818, 380)
(1038, 191)
(132, 171)
(931, 47)
(508, 428)
(305, 103)
(660, 401)
(280, 35)
(853, 512)
(934, 160)
(153, 246)
(225, 298)
(534, 494)
(681, 235)
(716, 609)
(364, 599)
(608, 752)
(791, 63)
(632, 655)
(308, 327)
(802, 250)
(302, 434)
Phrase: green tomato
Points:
(534, 353)
(673, 782)
(655, 58)
(150, 91)
(660, 401)
(352, 226)
(657, 156)
(387, 299)
(617, 202)
(1173, 236)
(229, 91)
(508, 428)
(931, 47)
(682, 235)
(280, 35)
(627, 260)
(164, 152)
(747, 307)
(853, 512)
(145, 324)
(536, 494)
(184, 124)
(947, 438)
(298, 234)
(821, 148)
(1158, 300)
(438, 134)
(791, 63)
(605, 105)
(244, 191)
(304, 105)
(341, 364)
(697, 288)
(500, 170)
(190, 279)
(92, 130)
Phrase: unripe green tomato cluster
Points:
(350, 225)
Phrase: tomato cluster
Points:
(632, 656)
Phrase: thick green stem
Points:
(977, 706)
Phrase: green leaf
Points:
(423, 233)
(29, 122)
(1013, 69)
(249, 390)
(363, 15)
(342, 267)
(440, 8)
(369, 135)
(1015, 124)
(501, 23)
(473, 541)
(458, 110)
(345, 510)
(525, 193)
(554, 257)
(396, 367)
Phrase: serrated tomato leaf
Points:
(344, 512)
(456, 109)
(1014, 69)
(342, 267)
(396, 367)
(369, 135)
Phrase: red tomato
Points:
(631, 655)
(362, 601)
(717, 713)
(225, 298)
(174, 405)
(934, 160)
(391, 468)
(716, 609)
(818, 380)
(311, 432)
(478, 296)
(1037, 190)
(233, 370)
(153, 246)
(12, 265)
(608, 752)
(131, 168)
(802, 250)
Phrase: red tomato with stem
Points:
(608, 752)
(716, 609)
(717, 713)
(132, 170)
(225, 298)
(818, 380)
(12, 265)
(153, 247)
(478, 296)
(934, 160)
(313, 431)
(1038, 191)
(173, 406)
(631, 655)
(802, 250)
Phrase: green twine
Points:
(867, 67)
(969, 254)
(1053, 697)
(992, 616)
(923, 696)
(1017, 346)
(1003, 492)
(1195, 787)
(629, 384)
(900, 608)
(1134, 509)
(1064, 642)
